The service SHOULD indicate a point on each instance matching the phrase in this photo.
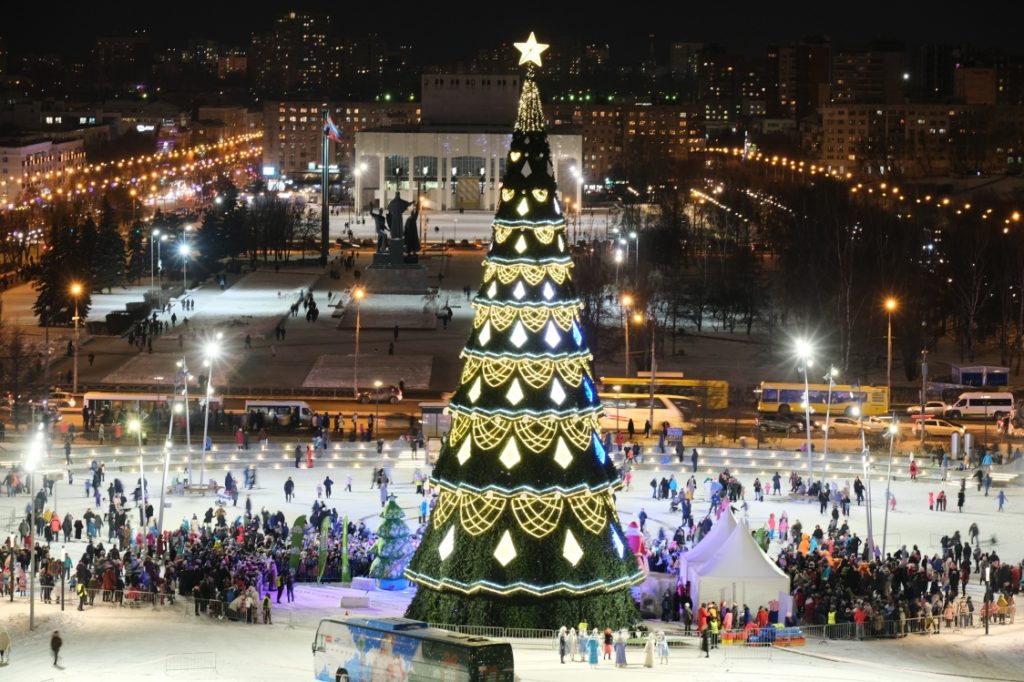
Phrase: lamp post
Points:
(136, 426)
(830, 378)
(804, 352)
(184, 250)
(890, 307)
(924, 387)
(358, 294)
(618, 262)
(211, 351)
(76, 291)
(32, 458)
(376, 420)
(153, 241)
(160, 261)
(626, 302)
(183, 376)
(618, 403)
(988, 596)
(636, 250)
(865, 462)
(893, 430)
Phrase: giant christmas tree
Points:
(525, 532)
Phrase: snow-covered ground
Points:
(105, 642)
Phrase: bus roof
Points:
(416, 628)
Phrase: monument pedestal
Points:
(382, 277)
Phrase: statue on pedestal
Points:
(412, 233)
(382, 230)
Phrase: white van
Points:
(990, 405)
(281, 409)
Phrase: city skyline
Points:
(745, 29)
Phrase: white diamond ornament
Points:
(510, 455)
(557, 392)
(447, 545)
(519, 292)
(485, 334)
(519, 336)
(562, 454)
(474, 390)
(526, 169)
(549, 291)
(551, 336)
(524, 207)
(492, 290)
(561, 243)
(521, 242)
(505, 551)
(571, 549)
(515, 393)
(466, 450)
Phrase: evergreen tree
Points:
(107, 264)
(65, 262)
(525, 532)
(138, 254)
(393, 548)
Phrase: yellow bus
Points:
(716, 392)
(851, 401)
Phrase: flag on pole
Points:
(331, 130)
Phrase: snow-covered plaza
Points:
(105, 642)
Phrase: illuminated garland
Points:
(537, 514)
(531, 274)
(563, 587)
(445, 484)
(535, 432)
(535, 372)
(545, 235)
(533, 317)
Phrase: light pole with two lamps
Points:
(358, 294)
(804, 353)
(376, 419)
(626, 302)
(76, 292)
(211, 351)
(890, 308)
(893, 430)
(185, 250)
(135, 425)
(36, 450)
(831, 379)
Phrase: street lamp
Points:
(618, 262)
(830, 378)
(890, 308)
(636, 238)
(160, 261)
(627, 302)
(893, 430)
(153, 240)
(804, 352)
(618, 404)
(212, 352)
(184, 250)
(376, 420)
(865, 462)
(76, 291)
(136, 426)
(36, 450)
(358, 294)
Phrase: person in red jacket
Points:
(859, 617)
(702, 618)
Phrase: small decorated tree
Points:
(393, 548)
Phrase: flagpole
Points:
(324, 217)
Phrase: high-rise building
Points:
(975, 84)
(877, 74)
(119, 61)
(804, 73)
(684, 60)
(296, 56)
(933, 80)
(1010, 80)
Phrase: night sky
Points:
(452, 30)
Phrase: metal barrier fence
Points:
(205, 660)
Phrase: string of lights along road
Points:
(525, 532)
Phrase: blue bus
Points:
(359, 649)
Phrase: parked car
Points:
(933, 426)
(935, 408)
(385, 394)
(841, 426)
(778, 423)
